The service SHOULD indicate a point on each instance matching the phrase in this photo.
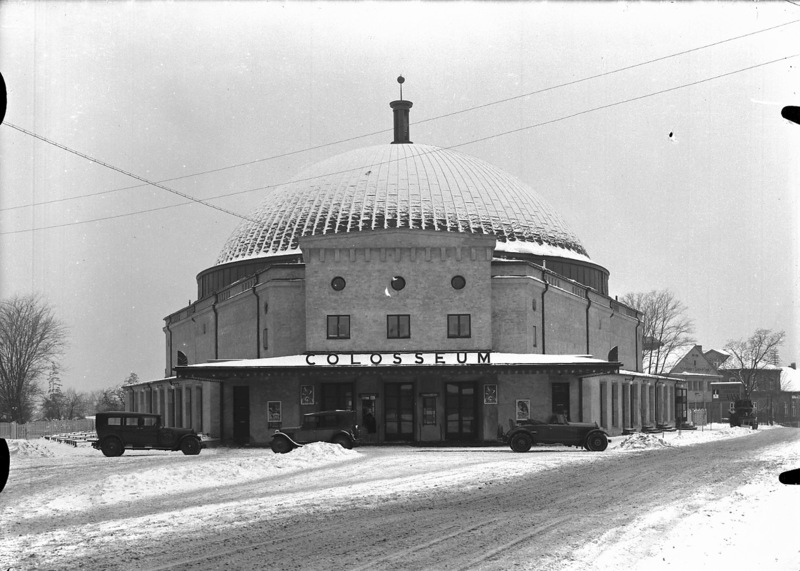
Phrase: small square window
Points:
(398, 326)
(458, 326)
(338, 327)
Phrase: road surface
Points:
(428, 508)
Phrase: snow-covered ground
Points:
(78, 487)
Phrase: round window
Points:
(398, 283)
(338, 283)
(458, 282)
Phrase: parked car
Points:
(558, 430)
(117, 431)
(335, 426)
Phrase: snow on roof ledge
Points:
(400, 359)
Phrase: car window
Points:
(310, 422)
(114, 421)
(132, 421)
(329, 421)
(150, 420)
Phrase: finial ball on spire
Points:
(401, 79)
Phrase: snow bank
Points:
(29, 449)
(641, 441)
(321, 451)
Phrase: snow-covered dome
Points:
(403, 186)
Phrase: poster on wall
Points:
(274, 417)
(307, 394)
(523, 409)
(274, 411)
(489, 394)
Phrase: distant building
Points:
(418, 286)
(692, 366)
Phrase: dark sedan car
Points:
(118, 430)
(335, 426)
(558, 430)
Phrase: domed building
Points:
(419, 286)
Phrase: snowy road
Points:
(708, 499)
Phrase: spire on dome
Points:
(400, 108)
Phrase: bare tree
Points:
(667, 328)
(31, 338)
(750, 356)
(74, 404)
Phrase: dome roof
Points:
(403, 186)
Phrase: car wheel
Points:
(521, 442)
(596, 442)
(280, 445)
(112, 447)
(190, 446)
(342, 441)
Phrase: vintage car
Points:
(558, 430)
(117, 431)
(335, 426)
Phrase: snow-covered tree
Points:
(667, 328)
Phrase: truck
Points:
(743, 414)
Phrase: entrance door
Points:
(560, 400)
(241, 415)
(399, 411)
(461, 405)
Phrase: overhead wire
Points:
(125, 172)
(472, 141)
(427, 120)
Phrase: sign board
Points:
(367, 359)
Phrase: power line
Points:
(527, 127)
(435, 118)
(126, 173)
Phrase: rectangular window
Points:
(114, 421)
(178, 416)
(535, 342)
(458, 326)
(603, 407)
(614, 404)
(149, 421)
(199, 409)
(428, 410)
(338, 327)
(264, 338)
(398, 326)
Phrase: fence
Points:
(698, 417)
(12, 430)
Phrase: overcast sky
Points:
(693, 189)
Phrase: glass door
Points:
(461, 406)
(399, 411)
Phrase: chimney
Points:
(400, 108)
(793, 366)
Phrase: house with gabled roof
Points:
(692, 365)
